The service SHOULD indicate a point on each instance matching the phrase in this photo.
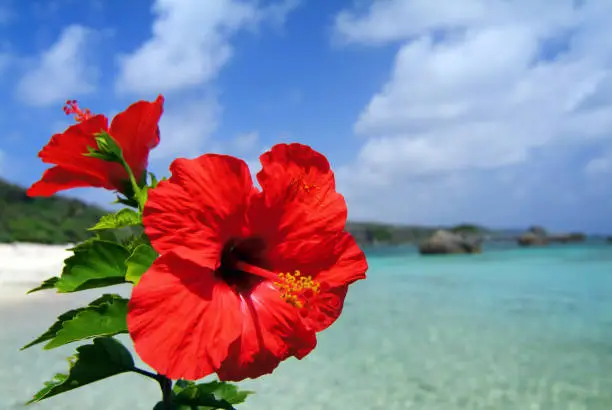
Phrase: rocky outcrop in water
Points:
(445, 242)
(568, 237)
(537, 236)
(532, 239)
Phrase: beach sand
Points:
(24, 266)
(24, 316)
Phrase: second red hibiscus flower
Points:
(135, 131)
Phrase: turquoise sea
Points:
(515, 329)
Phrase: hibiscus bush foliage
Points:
(227, 279)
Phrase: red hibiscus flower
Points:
(135, 130)
(245, 278)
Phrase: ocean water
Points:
(515, 329)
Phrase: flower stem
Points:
(135, 186)
(145, 373)
(165, 385)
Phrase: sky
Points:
(497, 112)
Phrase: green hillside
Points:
(54, 220)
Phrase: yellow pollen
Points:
(296, 289)
(299, 185)
(307, 187)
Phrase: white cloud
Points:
(62, 71)
(600, 166)
(185, 128)
(276, 13)
(245, 143)
(475, 85)
(190, 43)
(186, 132)
(397, 20)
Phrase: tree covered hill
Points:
(55, 220)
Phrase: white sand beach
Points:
(23, 266)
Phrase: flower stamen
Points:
(80, 115)
(299, 185)
(296, 289)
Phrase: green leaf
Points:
(104, 358)
(105, 316)
(95, 153)
(124, 218)
(154, 181)
(132, 241)
(47, 284)
(95, 264)
(139, 262)
(207, 396)
(126, 201)
(107, 149)
(87, 244)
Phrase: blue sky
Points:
(492, 112)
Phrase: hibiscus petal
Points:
(220, 183)
(299, 192)
(339, 263)
(234, 369)
(325, 308)
(350, 263)
(182, 319)
(67, 148)
(201, 206)
(60, 178)
(136, 131)
(321, 254)
(172, 221)
(272, 331)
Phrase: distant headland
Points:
(60, 220)
(463, 238)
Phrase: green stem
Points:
(137, 196)
(135, 185)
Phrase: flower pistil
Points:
(80, 115)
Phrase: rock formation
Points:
(537, 236)
(445, 242)
(568, 237)
(532, 239)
